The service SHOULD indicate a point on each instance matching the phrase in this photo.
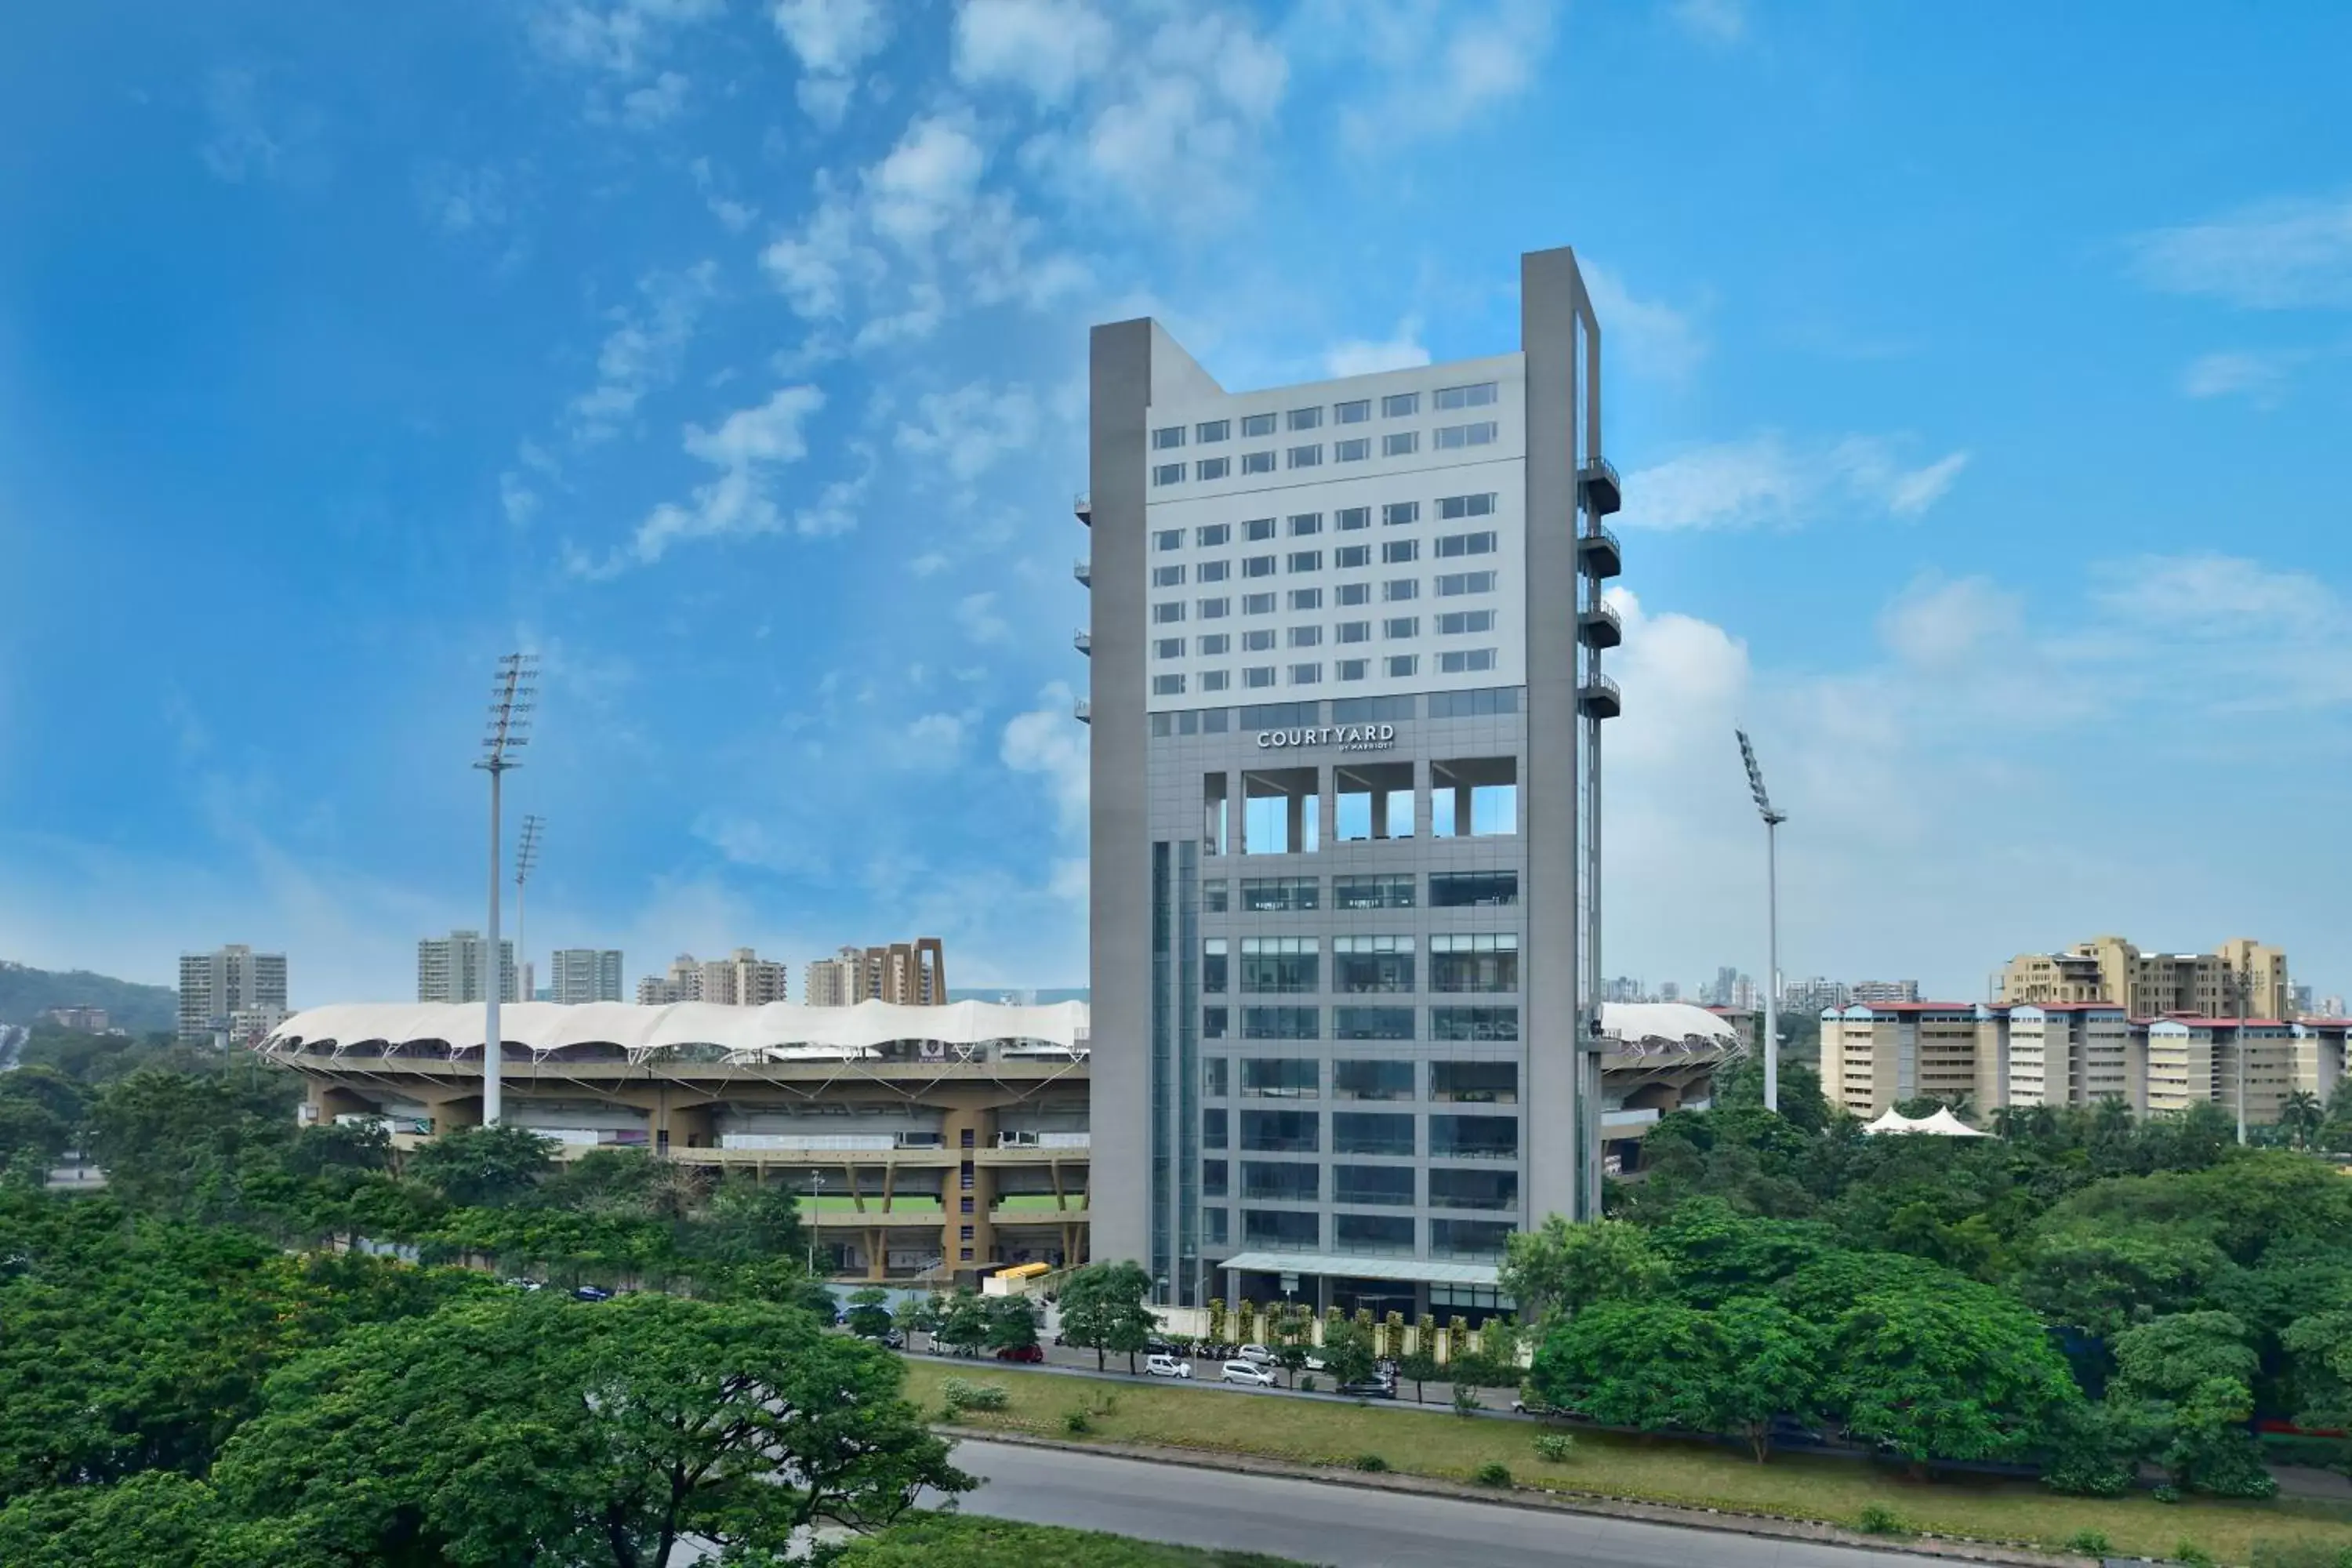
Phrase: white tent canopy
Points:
(1942, 1124)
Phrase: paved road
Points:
(1357, 1526)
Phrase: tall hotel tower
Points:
(1346, 728)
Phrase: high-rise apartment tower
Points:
(586, 974)
(456, 968)
(216, 986)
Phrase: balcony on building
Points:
(1599, 697)
(1597, 553)
(1600, 628)
(1082, 640)
(1599, 479)
(1082, 505)
(1083, 711)
(1083, 570)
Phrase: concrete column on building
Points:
(330, 1100)
(452, 1108)
(981, 1122)
(678, 1126)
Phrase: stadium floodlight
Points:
(1772, 820)
(526, 860)
(514, 693)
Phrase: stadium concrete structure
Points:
(929, 1143)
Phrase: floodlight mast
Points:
(526, 861)
(1772, 820)
(514, 692)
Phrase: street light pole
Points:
(1772, 820)
(816, 1180)
(513, 694)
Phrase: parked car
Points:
(1251, 1374)
(1256, 1355)
(522, 1284)
(1369, 1388)
(591, 1293)
(1166, 1366)
(1158, 1346)
(1022, 1352)
(891, 1339)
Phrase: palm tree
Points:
(2301, 1117)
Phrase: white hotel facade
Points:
(1346, 711)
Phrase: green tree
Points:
(2105, 1279)
(1348, 1352)
(963, 1327)
(2194, 1374)
(1419, 1366)
(2302, 1117)
(1627, 1364)
(869, 1312)
(1768, 1364)
(1011, 1323)
(1950, 1374)
(484, 1167)
(2319, 1352)
(1716, 1253)
(158, 1519)
(1103, 1310)
(180, 1144)
(923, 1315)
(1561, 1268)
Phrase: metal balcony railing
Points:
(1083, 570)
(1083, 711)
(1599, 552)
(1082, 640)
(1600, 628)
(1599, 699)
(1082, 505)
(1602, 494)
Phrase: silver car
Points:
(1251, 1374)
(1166, 1366)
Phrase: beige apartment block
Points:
(2071, 1053)
(906, 974)
(2245, 979)
(1874, 1056)
(744, 979)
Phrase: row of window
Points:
(1294, 895)
(1371, 1186)
(1305, 601)
(1307, 525)
(1396, 667)
(1301, 1230)
(1485, 701)
(1355, 449)
(1217, 644)
(1346, 557)
(1458, 962)
(1301, 1078)
(1447, 1026)
(1388, 1133)
(1397, 405)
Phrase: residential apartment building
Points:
(906, 974)
(744, 979)
(1874, 1056)
(1815, 995)
(2244, 979)
(1871, 993)
(1346, 711)
(80, 1020)
(584, 975)
(215, 987)
(456, 968)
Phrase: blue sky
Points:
(1978, 375)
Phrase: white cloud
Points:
(1048, 47)
(733, 215)
(621, 38)
(1720, 23)
(1047, 741)
(249, 140)
(1442, 66)
(814, 269)
(461, 201)
(645, 349)
(929, 563)
(656, 104)
(1763, 482)
(969, 430)
(2259, 377)
(981, 621)
(516, 499)
(825, 98)
(1358, 356)
(1936, 625)
(833, 38)
(748, 449)
(927, 180)
(2277, 256)
(1649, 337)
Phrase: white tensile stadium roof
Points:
(1672, 1024)
(1942, 1124)
(780, 1030)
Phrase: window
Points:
(1210, 430)
(1371, 1081)
(1400, 511)
(1281, 1077)
(1462, 960)
(1257, 604)
(1349, 670)
(1212, 467)
(1168, 576)
(1168, 686)
(1399, 405)
(1453, 1189)
(1454, 584)
(1216, 1225)
(1373, 964)
(1260, 640)
(1280, 895)
(1350, 518)
(1167, 539)
(1213, 1174)
(1474, 1083)
(1215, 892)
(1306, 457)
(1371, 1022)
(1402, 666)
(1374, 709)
(1257, 425)
(1166, 436)
(1168, 474)
(1257, 462)
(1398, 552)
(1371, 1131)
(1452, 438)
(1473, 798)
(1279, 809)
(1354, 451)
(1168, 647)
(1479, 544)
(1258, 529)
(1213, 1027)
(1484, 704)
(1214, 609)
(1353, 593)
(1306, 637)
(1213, 965)
(1397, 626)
(1473, 1137)
(1349, 556)
(1451, 508)
(1372, 1232)
(1474, 397)
(1306, 523)
(1459, 623)
(1258, 675)
(1305, 419)
(1473, 890)
(1400, 443)
(1283, 1024)
(1215, 571)
(1389, 892)
(1212, 1120)
(1169, 613)
(1285, 1230)
(1215, 680)
(1354, 413)
(1257, 565)
(1214, 645)
(1210, 535)
(1355, 631)
(1288, 1131)
(1306, 599)
(1306, 675)
(1306, 561)
(1466, 661)
(1467, 1237)
(1390, 1185)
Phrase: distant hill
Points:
(27, 992)
(1015, 993)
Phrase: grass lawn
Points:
(1432, 1443)
(969, 1540)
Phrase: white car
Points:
(1166, 1366)
(1256, 1355)
(1249, 1372)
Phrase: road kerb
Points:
(1731, 1521)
